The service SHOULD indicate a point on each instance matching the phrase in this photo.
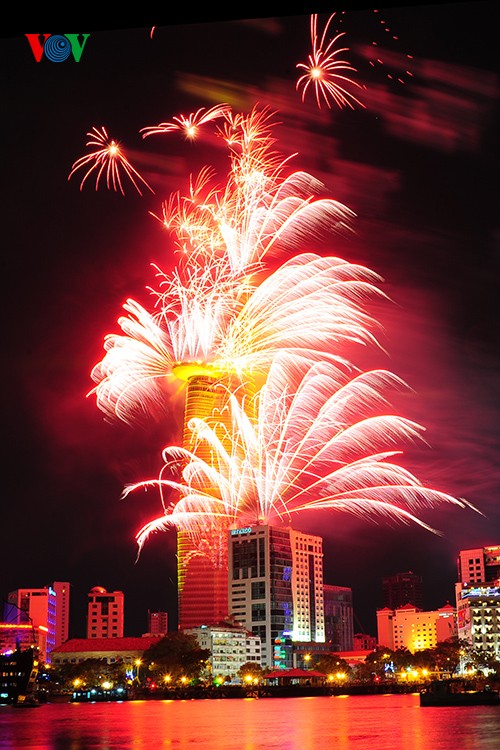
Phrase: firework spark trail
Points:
(107, 160)
(187, 125)
(324, 73)
(320, 444)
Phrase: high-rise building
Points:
(105, 615)
(62, 589)
(478, 598)
(276, 588)
(411, 628)
(202, 565)
(401, 589)
(478, 615)
(339, 619)
(39, 607)
(157, 623)
(479, 565)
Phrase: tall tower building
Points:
(202, 568)
(401, 589)
(105, 613)
(276, 588)
(339, 617)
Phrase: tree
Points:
(176, 655)
(250, 669)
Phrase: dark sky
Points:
(419, 167)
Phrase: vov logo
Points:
(57, 47)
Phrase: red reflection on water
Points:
(372, 722)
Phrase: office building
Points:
(401, 589)
(276, 588)
(339, 619)
(202, 565)
(413, 629)
(105, 614)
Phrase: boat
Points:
(18, 673)
(99, 694)
(458, 693)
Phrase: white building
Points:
(478, 615)
(276, 588)
(105, 613)
(414, 629)
(230, 646)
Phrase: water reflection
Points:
(390, 722)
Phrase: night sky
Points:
(419, 167)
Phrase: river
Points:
(366, 722)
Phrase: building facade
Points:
(126, 650)
(62, 589)
(105, 613)
(479, 565)
(413, 629)
(157, 623)
(231, 646)
(276, 588)
(38, 606)
(478, 615)
(339, 617)
(401, 589)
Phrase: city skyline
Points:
(62, 453)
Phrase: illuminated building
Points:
(478, 615)
(62, 589)
(202, 582)
(413, 629)
(157, 623)
(126, 650)
(401, 589)
(25, 636)
(276, 588)
(339, 627)
(231, 646)
(38, 606)
(478, 598)
(480, 565)
(105, 613)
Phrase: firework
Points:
(213, 309)
(188, 125)
(107, 160)
(321, 441)
(325, 73)
(311, 306)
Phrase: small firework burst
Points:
(188, 125)
(107, 160)
(324, 72)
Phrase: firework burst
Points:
(109, 161)
(325, 72)
(188, 125)
(321, 441)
